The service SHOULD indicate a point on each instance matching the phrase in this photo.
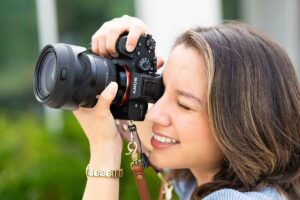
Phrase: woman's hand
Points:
(105, 144)
(98, 124)
(104, 40)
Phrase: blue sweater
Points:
(184, 193)
(229, 194)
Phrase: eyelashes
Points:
(182, 106)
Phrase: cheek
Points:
(192, 127)
(197, 138)
(196, 132)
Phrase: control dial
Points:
(144, 64)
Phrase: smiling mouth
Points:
(165, 140)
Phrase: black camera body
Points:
(145, 85)
(68, 77)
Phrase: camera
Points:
(69, 77)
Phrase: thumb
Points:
(160, 60)
(107, 95)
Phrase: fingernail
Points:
(114, 86)
(129, 48)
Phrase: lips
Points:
(160, 141)
(164, 139)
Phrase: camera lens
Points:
(68, 77)
(47, 74)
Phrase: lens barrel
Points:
(68, 76)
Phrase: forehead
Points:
(186, 68)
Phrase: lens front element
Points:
(47, 74)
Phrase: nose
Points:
(159, 113)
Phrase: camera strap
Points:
(139, 162)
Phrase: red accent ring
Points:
(128, 81)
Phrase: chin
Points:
(160, 162)
(157, 162)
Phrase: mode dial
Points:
(150, 43)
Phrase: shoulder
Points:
(230, 194)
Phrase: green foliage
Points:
(231, 9)
(79, 20)
(36, 164)
(19, 48)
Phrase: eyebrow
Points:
(189, 95)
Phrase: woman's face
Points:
(182, 134)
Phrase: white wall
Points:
(279, 18)
(168, 18)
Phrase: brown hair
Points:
(253, 106)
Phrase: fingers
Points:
(94, 43)
(104, 40)
(98, 46)
(116, 28)
(111, 39)
(135, 31)
(132, 38)
(107, 96)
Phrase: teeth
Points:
(165, 139)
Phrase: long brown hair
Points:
(253, 106)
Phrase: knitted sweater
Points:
(229, 194)
(184, 193)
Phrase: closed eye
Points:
(183, 106)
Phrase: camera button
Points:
(63, 74)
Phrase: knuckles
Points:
(110, 29)
(126, 17)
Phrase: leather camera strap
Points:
(140, 180)
(127, 130)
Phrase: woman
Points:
(228, 123)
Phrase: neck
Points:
(203, 176)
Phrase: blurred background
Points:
(43, 152)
